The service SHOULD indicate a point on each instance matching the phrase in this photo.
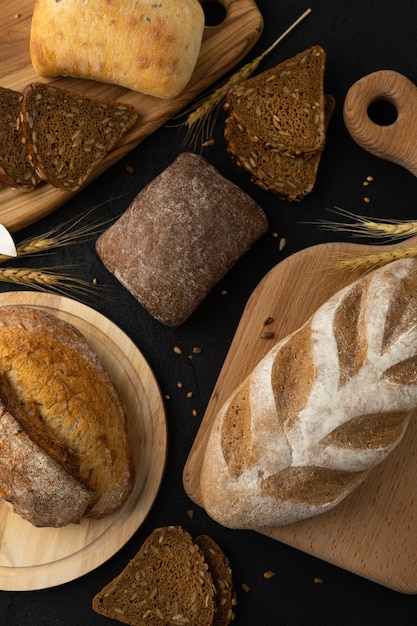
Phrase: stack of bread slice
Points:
(56, 135)
(277, 121)
(173, 579)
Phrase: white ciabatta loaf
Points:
(322, 408)
(147, 46)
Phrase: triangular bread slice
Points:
(15, 167)
(289, 178)
(221, 573)
(67, 134)
(168, 581)
(283, 107)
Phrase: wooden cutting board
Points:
(36, 558)
(223, 46)
(373, 532)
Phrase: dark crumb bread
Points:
(67, 134)
(179, 236)
(15, 167)
(289, 178)
(167, 582)
(283, 107)
(221, 573)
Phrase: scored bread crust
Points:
(322, 408)
(147, 46)
(61, 386)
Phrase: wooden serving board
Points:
(373, 532)
(36, 558)
(223, 46)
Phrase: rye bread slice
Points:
(221, 573)
(15, 167)
(67, 134)
(283, 107)
(289, 178)
(167, 582)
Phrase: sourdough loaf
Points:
(15, 167)
(289, 178)
(147, 46)
(167, 582)
(56, 393)
(283, 107)
(324, 406)
(67, 134)
(179, 236)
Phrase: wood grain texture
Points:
(223, 46)
(396, 142)
(373, 532)
(36, 558)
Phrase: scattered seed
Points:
(369, 179)
(282, 244)
(209, 142)
(167, 397)
(190, 394)
(129, 169)
(95, 281)
(318, 580)
(275, 235)
(177, 350)
(366, 199)
(194, 412)
(223, 292)
(268, 321)
(269, 574)
(196, 350)
(245, 587)
(190, 513)
(179, 384)
(268, 335)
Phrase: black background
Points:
(359, 37)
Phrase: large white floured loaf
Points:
(323, 407)
(147, 46)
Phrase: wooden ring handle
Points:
(396, 142)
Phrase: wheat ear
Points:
(366, 227)
(43, 279)
(197, 118)
(368, 262)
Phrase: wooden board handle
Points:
(396, 142)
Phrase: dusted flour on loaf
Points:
(322, 408)
(179, 236)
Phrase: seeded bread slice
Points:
(167, 582)
(67, 134)
(15, 167)
(283, 107)
(289, 178)
(221, 572)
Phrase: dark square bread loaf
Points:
(179, 236)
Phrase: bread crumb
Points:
(190, 513)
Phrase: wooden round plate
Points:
(37, 558)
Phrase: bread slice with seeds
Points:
(221, 572)
(67, 134)
(167, 582)
(283, 107)
(289, 178)
(15, 167)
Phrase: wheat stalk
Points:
(366, 227)
(210, 107)
(368, 262)
(43, 279)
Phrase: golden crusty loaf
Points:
(179, 236)
(147, 46)
(322, 408)
(70, 416)
(167, 582)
